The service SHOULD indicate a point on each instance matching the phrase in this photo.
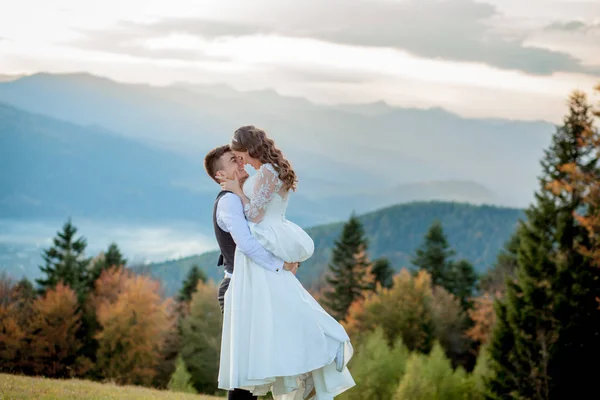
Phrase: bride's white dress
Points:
(274, 331)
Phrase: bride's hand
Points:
(232, 185)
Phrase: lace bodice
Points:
(268, 197)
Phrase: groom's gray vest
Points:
(224, 239)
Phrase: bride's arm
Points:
(266, 185)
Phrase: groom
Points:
(232, 230)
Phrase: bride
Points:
(276, 337)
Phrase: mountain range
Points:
(83, 146)
(336, 150)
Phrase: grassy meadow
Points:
(14, 387)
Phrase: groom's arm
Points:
(231, 218)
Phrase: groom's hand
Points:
(292, 267)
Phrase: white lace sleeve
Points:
(267, 184)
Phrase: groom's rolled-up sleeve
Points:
(231, 218)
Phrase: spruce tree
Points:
(505, 267)
(548, 324)
(434, 254)
(460, 280)
(190, 284)
(65, 261)
(349, 269)
(383, 272)
(112, 258)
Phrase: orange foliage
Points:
(133, 323)
(15, 317)
(484, 317)
(56, 320)
(403, 310)
(587, 185)
(355, 319)
(11, 338)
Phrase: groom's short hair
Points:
(212, 161)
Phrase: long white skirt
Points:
(275, 332)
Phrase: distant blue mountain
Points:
(51, 168)
(338, 150)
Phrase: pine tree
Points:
(349, 269)
(505, 267)
(65, 261)
(460, 281)
(112, 258)
(547, 327)
(190, 284)
(435, 257)
(586, 182)
(383, 272)
(434, 254)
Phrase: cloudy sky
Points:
(486, 58)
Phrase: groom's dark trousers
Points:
(227, 247)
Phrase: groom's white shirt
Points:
(231, 218)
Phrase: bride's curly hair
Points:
(259, 146)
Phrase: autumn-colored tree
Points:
(585, 181)
(107, 288)
(483, 317)
(12, 335)
(201, 332)
(53, 348)
(133, 320)
(401, 311)
(12, 339)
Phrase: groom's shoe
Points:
(309, 389)
(339, 357)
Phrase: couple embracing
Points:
(276, 337)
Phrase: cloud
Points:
(580, 38)
(456, 30)
(574, 26)
(152, 40)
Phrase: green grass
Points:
(25, 387)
